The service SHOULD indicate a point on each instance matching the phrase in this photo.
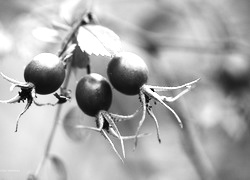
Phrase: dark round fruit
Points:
(93, 94)
(46, 71)
(127, 72)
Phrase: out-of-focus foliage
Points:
(180, 41)
(73, 118)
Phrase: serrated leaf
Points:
(98, 40)
(46, 34)
(80, 59)
(73, 118)
(59, 168)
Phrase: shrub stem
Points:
(54, 127)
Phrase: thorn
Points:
(16, 127)
(181, 125)
(135, 146)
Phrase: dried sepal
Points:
(112, 124)
(28, 104)
(119, 118)
(15, 83)
(27, 93)
(105, 124)
(149, 92)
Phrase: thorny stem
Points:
(71, 34)
(49, 143)
(65, 44)
(54, 127)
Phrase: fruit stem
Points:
(88, 69)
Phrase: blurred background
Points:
(180, 41)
